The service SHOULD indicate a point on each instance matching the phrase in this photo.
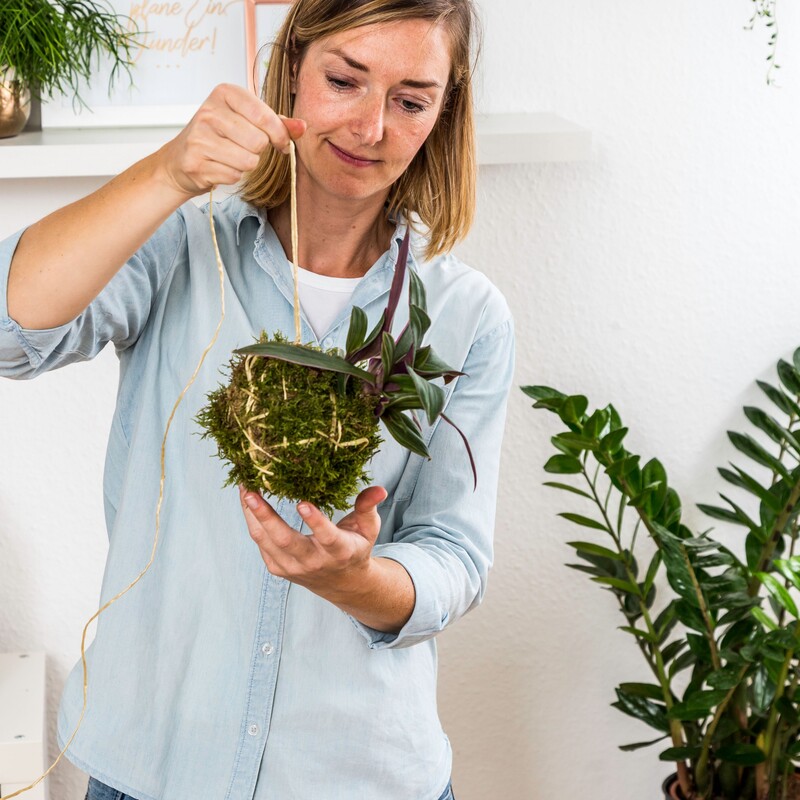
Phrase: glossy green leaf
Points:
(629, 748)
(642, 708)
(778, 591)
(789, 568)
(742, 753)
(636, 689)
(573, 409)
(644, 635)
(789, 377)
(567, 488)
(697, 705)
(623, 467)
(762, 617)
(596, 549)
(618, 583)
(751, 448)
(611, 443)
(768, 425)
(563, 465)
(780, 399)
(543, 393)
(679, 753)
(747, 482)
(652, 570)
(579, 519)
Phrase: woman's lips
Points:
(348, 159)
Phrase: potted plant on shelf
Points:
(47, 48)
(734, 731)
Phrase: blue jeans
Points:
(99, 791)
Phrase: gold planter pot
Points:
(15, 104)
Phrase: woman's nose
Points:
(368, 121)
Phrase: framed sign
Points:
(188, 47)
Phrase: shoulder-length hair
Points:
(439, 184)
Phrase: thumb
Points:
(296, 127)
(368, 500)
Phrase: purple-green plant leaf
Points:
(357, 332)
(429, 365)
(431, 396)
(405, 432)
(469, 450)
(419, 321)
(416, 291)
(387, 353)
(397, 281)
(299, 354)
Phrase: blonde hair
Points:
(439, 183)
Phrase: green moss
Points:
(289, 430)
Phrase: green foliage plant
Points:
(48, 46)
(302, 423)
(733, 731)
(766, 9)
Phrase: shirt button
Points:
(253, 730)
(267, 648)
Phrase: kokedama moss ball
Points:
(288, 429)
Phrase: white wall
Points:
(661, 276)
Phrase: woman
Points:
(254, 661)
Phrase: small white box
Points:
(22, 724)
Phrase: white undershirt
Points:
(322, 298)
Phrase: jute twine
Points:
(221, 270)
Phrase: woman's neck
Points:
(329, 244)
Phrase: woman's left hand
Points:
(329, 559)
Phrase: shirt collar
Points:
(416, 250)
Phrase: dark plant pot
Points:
(671, 789)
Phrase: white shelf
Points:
(71, 152)
(22, 723)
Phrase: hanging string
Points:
(221, 271)
(293, 171)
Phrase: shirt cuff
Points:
(430, 614)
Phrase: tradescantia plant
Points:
(301, 423)
(734, 731)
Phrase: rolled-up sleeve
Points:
(445, 536)
(118, 314)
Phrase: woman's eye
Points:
(340, 85)
(337, 83)
(412, 108)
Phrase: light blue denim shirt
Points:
(212, 679)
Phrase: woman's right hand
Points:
(223, 140)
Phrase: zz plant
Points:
(734, 731)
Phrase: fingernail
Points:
(251, 501)
(304, 509)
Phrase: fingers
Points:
(323, 530)
(261, 116)
(224, 140)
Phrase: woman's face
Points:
(373, 93)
